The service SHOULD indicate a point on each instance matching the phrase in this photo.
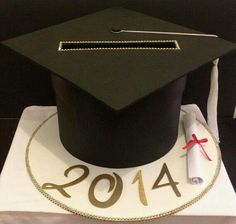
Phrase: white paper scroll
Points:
(194, 156)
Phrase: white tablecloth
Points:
(20, 201)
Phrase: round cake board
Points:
(145, 192)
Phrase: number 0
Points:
(116, 187)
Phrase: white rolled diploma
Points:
(194, 166)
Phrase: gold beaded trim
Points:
(145, 218)
(176, 47)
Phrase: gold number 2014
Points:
(115, 185)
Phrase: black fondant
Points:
(141, 133)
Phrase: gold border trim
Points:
(121, 48)
(144, 218)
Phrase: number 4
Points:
(164, 170)
(171, 182)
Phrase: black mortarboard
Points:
(119, 88)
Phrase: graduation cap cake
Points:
(118, 89)
(119, 77)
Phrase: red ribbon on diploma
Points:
(197, 141)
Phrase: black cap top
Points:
(118, 68)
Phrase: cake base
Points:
(127, 194)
